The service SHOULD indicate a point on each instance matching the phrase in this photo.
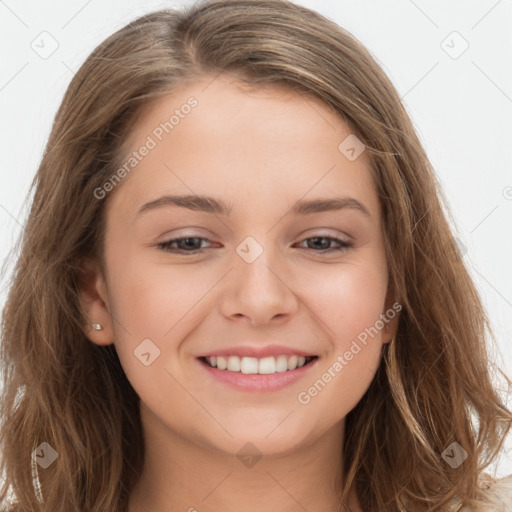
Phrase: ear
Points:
(93, 293)
(391, 313)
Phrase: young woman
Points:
(238, 289)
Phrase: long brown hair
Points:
(433, 386)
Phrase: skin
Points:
(259, 151)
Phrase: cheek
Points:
(158, 303)
(161, 303)
(150, 298)
(350, 302)
(348, 298)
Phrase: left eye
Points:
(183, 244)
(189, 244)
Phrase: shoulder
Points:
(495, 495)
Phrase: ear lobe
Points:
(390, 331)
(93, 294)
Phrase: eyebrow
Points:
(217, 206)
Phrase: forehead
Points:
(223, 138)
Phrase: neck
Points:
(181, 475)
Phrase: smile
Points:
(251, 374)
(254, 365)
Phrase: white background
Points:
(461, 108)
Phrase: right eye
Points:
(183, 245)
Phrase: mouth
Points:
(257, 375)
(258, 366)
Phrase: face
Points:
(286, 260)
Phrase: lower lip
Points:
(257, 382)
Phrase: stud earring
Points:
(97, 327)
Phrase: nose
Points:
(259, 292)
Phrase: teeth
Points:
(292, 362)
(233, 364)
(267, 365)
(263, 366)
(249, 365)
(281, 363)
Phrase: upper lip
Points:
(258, 351)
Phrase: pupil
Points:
(325, 245)
(189, 241)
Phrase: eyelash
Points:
(166, 246)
